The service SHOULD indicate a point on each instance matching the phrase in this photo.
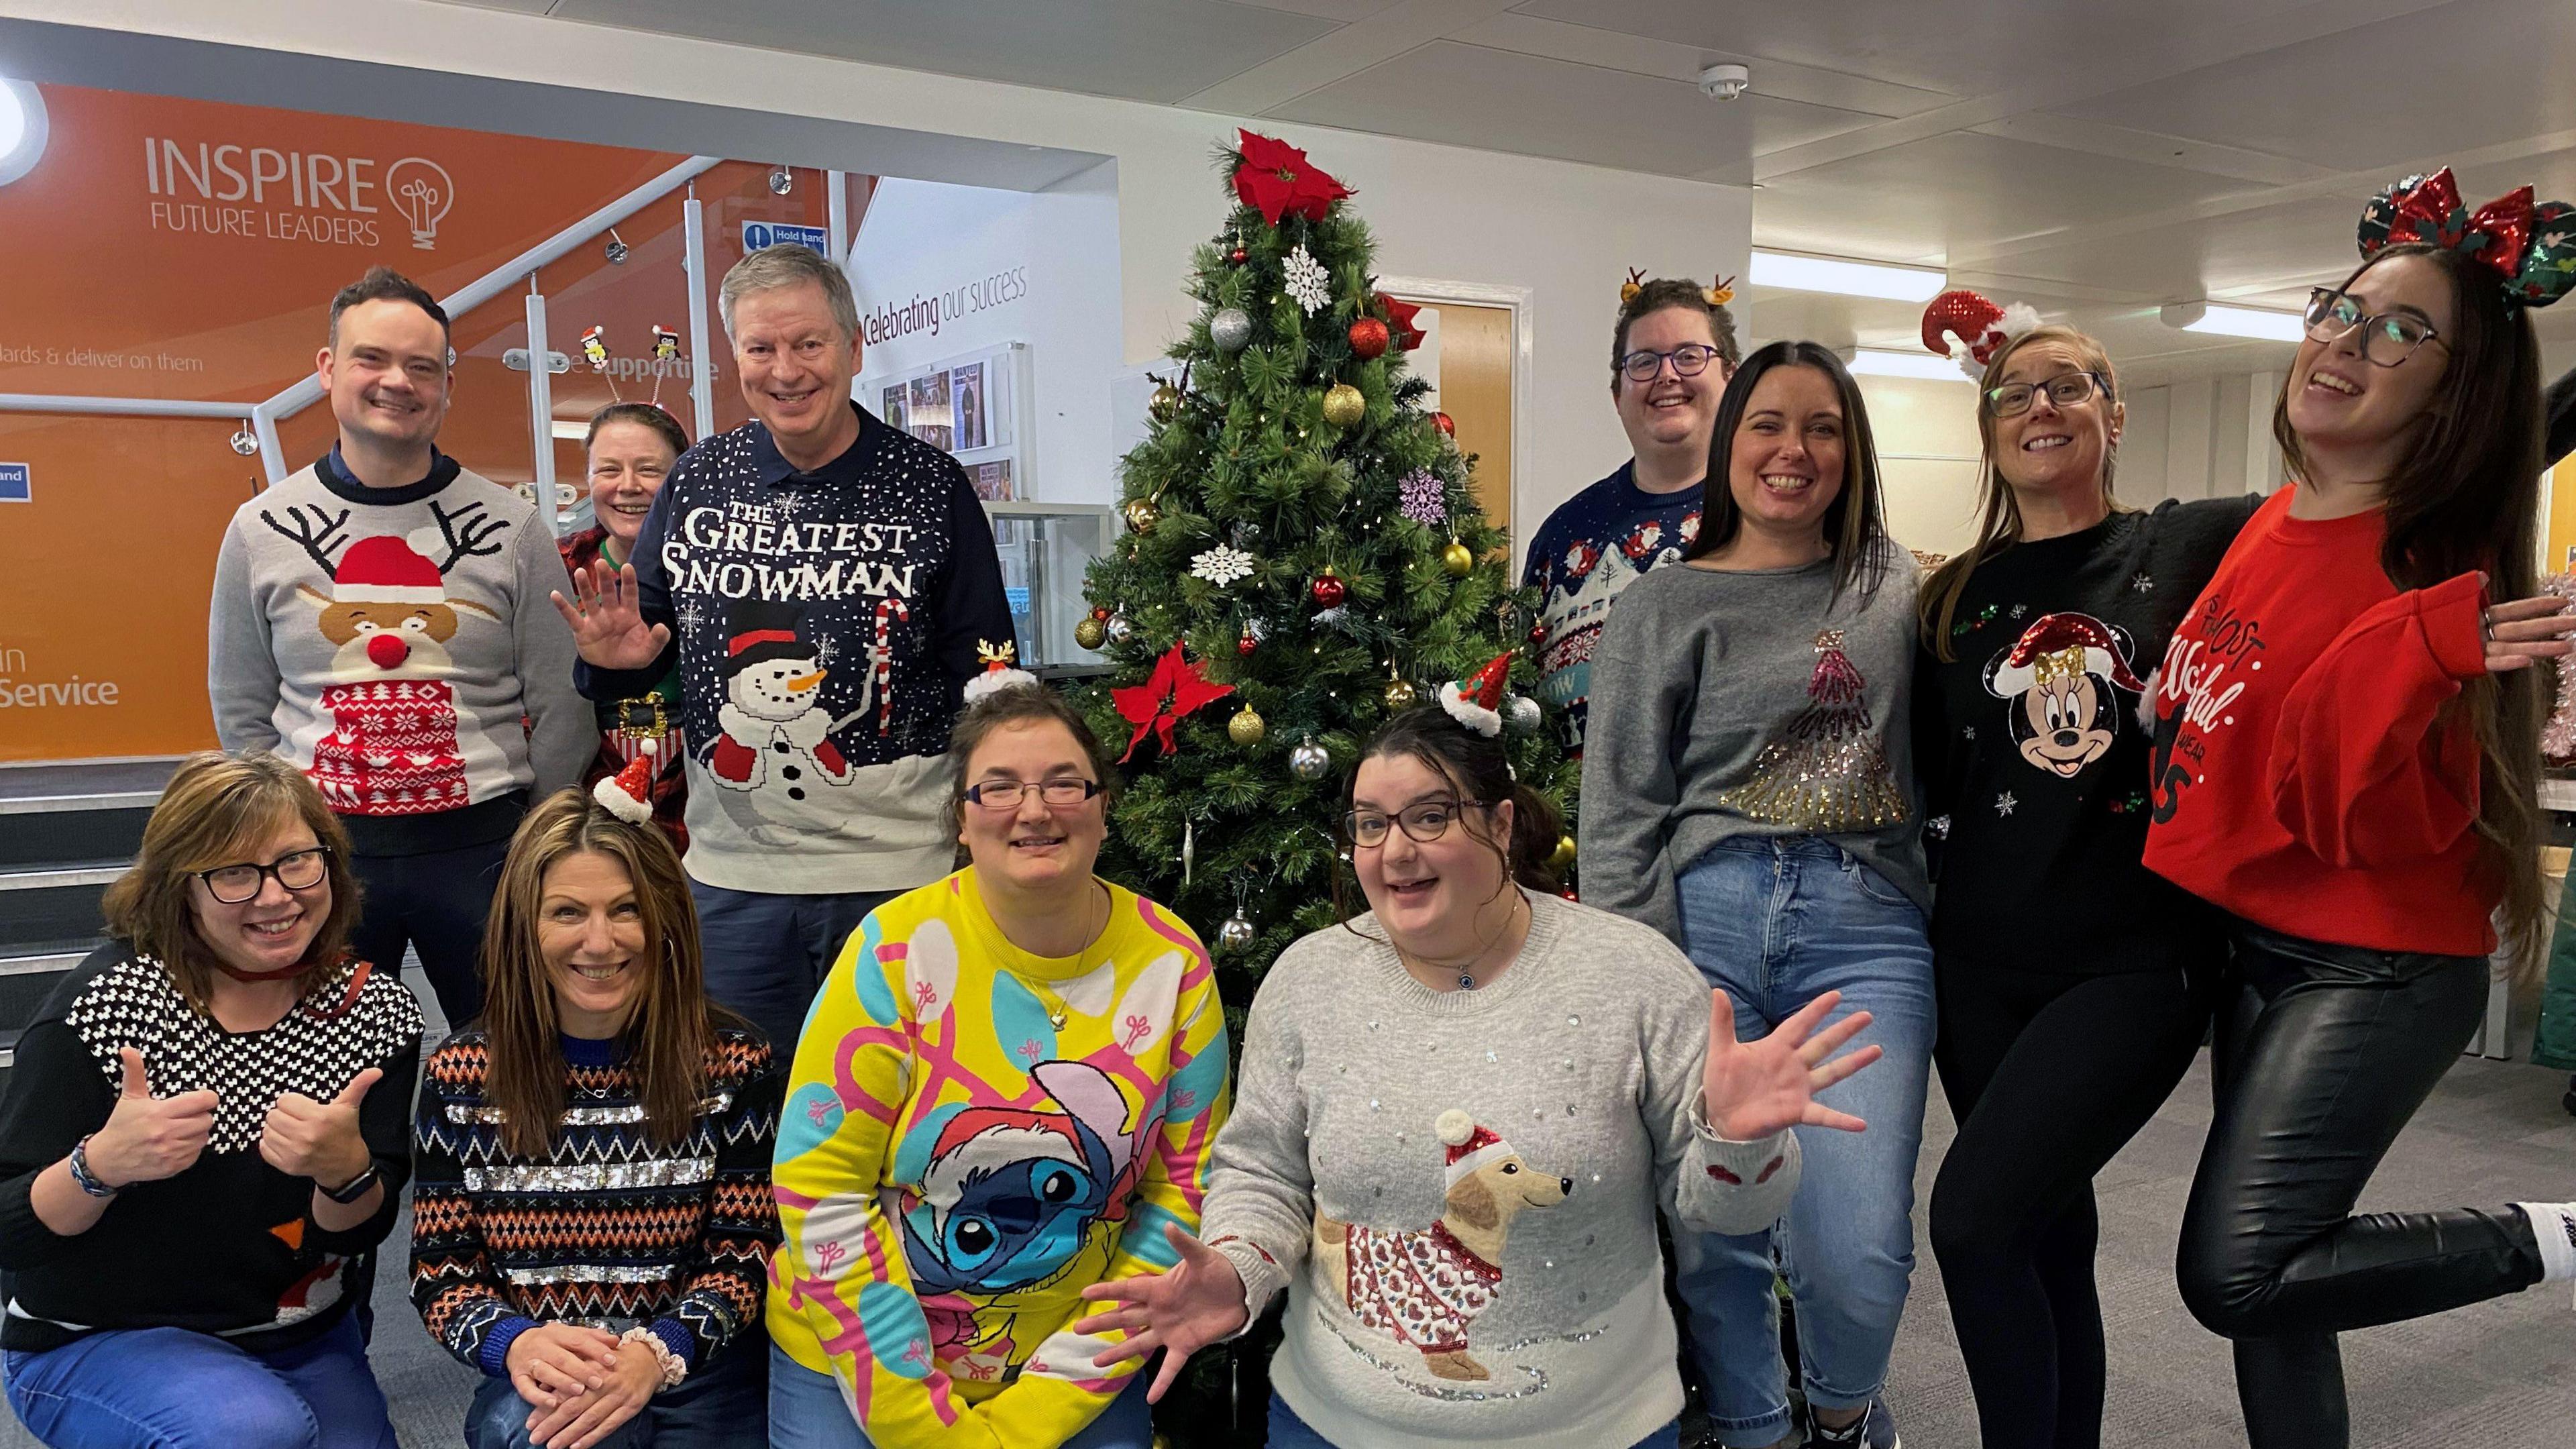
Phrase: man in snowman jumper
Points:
(380, 619)
(821, 580)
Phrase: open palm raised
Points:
(608, 621)
(1752, 1089)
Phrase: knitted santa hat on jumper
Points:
(628, 794)
(386, 570)
(1477, 701)
(2059, 646)
(1471, 1144)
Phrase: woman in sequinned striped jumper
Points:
(593, 1220)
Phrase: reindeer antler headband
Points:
(1716, 296)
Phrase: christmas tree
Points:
(1304, 557)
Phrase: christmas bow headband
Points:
(2531, 247)
(1968, 329)
(1717, 296)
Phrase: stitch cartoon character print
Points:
(2058, 681)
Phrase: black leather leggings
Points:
(2324, 1052)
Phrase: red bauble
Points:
(1447, 427)
(1100, 613)
(1238, 256)
(1368, 338)
(1245, 644)
(1329, 592)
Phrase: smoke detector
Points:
(1725, 82)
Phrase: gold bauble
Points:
(1142, 515)
(1563, 855)
(1246, 728)
(1090, 633)
(1343, 406)
(1166, 404)
(1457, 559)
(1400, 694)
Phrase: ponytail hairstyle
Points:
(2466, 497)
(1479, 770)
(1999, 512)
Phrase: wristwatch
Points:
(84, 1179)
(352, 1190)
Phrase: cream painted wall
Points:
(1566, 232)
(1926, 433)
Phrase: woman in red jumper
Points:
(2346, 751)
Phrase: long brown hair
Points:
(1855, 522)
(221, 809)
(670, 1036)
(1999, 513)
(2466, 497)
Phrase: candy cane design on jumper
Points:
(878, 692)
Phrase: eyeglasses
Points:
(1689, 360)
(2387, 338)
(1007, 794)
(1424, 822)
(2064, 390)
(300, 870)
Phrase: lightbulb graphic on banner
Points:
(422, 192)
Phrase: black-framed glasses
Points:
(1424, 821)
(2387, 338)
(1063, 794)
(2064, 390)
(299, 870)
(1689, 360)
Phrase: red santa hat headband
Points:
(1970, 330)
(1477, 701)
(628, 794)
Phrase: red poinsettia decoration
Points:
(1399, 316)
(1177, 688)
(1276, 179)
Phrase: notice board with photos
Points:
(973, 406)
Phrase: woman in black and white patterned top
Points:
(204, 1138)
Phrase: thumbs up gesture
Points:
(319, 1140)
(149, 1138)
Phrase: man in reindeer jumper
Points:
(380, 618)
(822, 581)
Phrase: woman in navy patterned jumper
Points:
(593, 1219)
(202, 1142)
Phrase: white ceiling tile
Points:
(1927, 199)
(1344, 11)
(2457, 78)
(1159, 50)
(1618, 50)
(1468, 95)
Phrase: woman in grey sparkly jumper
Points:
(1456, 1118)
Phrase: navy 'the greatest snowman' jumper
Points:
(824, 624)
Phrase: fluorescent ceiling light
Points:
(1880, 362)
(1844, 278)
(576, 431)
(2222, 321)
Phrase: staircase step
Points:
(75, 875)
(83, 785)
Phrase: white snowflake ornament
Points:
(1222, 565)
(1307, 283)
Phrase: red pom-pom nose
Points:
(387, 651)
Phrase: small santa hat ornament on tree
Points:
(1477, 701)
(999, 673)
(1968, 329)
(1471, 1144)
(628, 794)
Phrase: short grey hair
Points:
(789, 264)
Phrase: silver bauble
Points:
(1309, 761)
(1230, 329)
(1121, 628)
(1234, 934)
(1521, 715)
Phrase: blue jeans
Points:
(173, 1388)
(726, 1402)
(806, 1411)
(767, 955)
(1287, 1431)
(1776, 924)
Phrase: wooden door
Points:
(1476, 352)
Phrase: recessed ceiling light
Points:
(22, 129)
(1800, 273)
(1922, 366)
(2223, 321)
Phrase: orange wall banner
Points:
(177, 249)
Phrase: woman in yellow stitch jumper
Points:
(1005, 1093)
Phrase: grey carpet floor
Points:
(2500, 1375)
